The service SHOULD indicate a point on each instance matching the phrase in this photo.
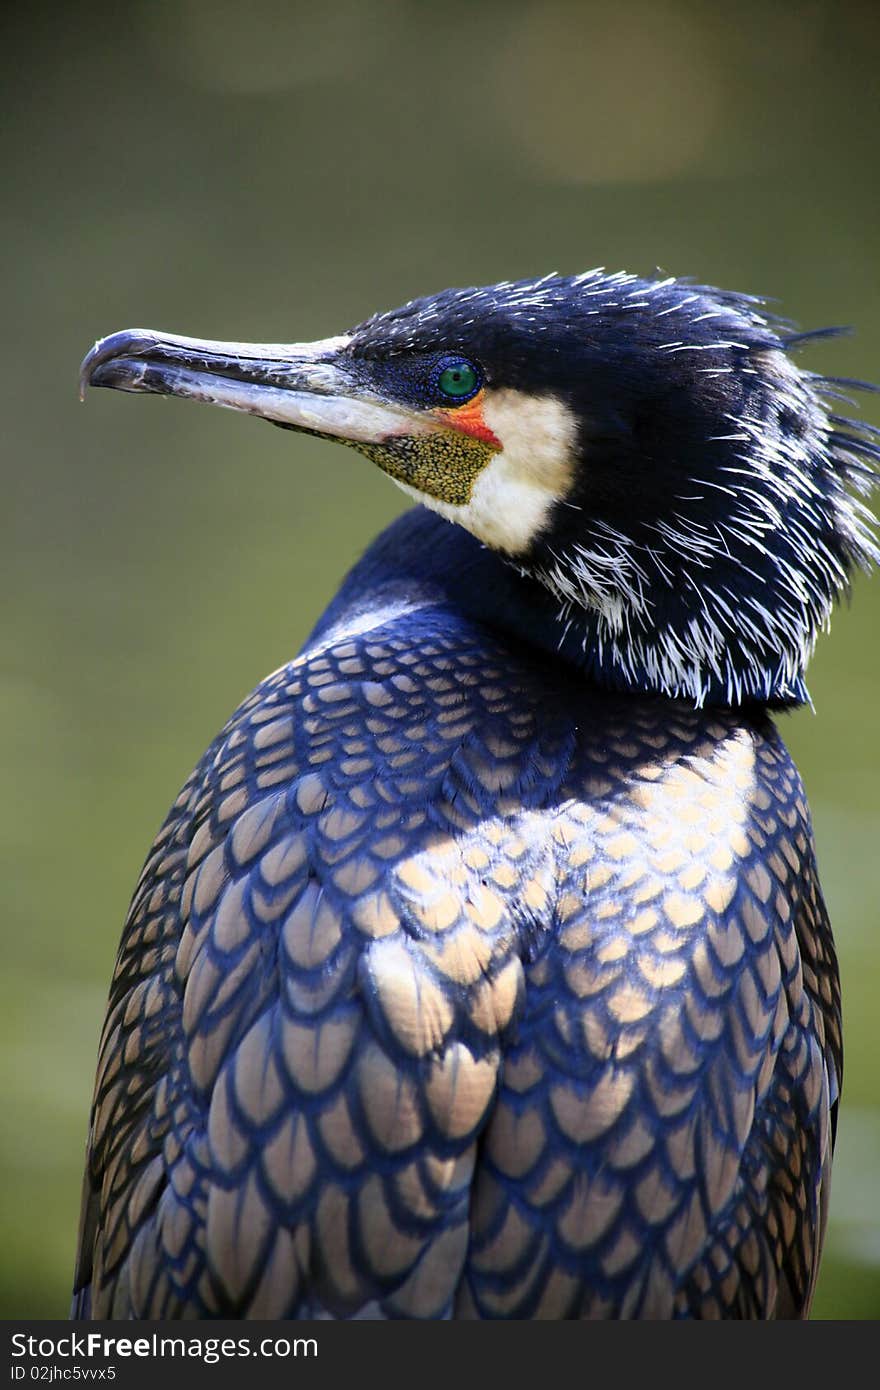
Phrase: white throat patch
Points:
(512, 497)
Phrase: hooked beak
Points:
(312, 387)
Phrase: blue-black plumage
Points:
(481, 967)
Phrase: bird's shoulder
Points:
(676, 1072)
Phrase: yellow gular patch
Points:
(436, 466)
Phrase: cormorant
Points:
(481, 967)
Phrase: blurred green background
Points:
(278, 171)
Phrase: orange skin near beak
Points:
(468, 419)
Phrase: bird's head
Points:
(646, 450)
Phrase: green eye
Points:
(458, 379)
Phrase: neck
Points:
(421, 556)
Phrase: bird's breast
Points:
(432, 923)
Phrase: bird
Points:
(481, 968)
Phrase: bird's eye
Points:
(458, 379)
